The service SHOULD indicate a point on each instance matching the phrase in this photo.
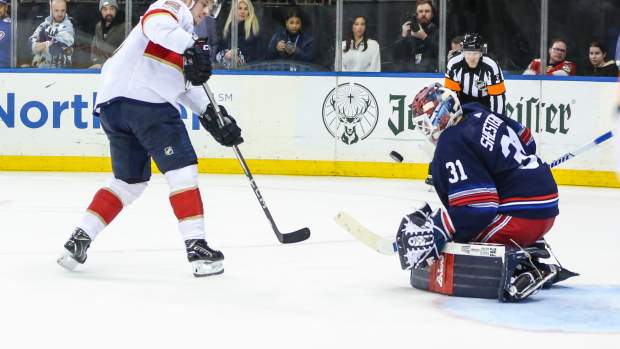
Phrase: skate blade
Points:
(67, 261)
(535, 287)
(204, 268)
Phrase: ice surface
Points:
(137, 290)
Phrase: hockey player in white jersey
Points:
(158, 65)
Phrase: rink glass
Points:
(516, 31)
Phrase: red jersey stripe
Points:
(164, 55)
(530, 198)
(157, 11)
(473, 199)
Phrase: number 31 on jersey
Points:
(457, 173)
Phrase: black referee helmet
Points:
(474, 42)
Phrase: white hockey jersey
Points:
(148, 66)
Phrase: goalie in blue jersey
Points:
(493, 187)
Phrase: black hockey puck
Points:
(395, 156)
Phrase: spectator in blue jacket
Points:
(292, 42)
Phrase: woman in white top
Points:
(359, 53)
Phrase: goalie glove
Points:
(421, 236)
(228, 134)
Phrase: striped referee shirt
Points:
(483, 84)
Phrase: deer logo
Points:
(350, 112)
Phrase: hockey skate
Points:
(526, 284)
(539, 251)
(205, 260)
(75, 250)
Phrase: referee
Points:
(475, 77)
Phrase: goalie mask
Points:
(435, 108)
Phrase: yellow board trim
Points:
(287, 167)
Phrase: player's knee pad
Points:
(128, 193)
(182, 178)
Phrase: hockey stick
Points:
(287, 238)
(388, 247)
(364, 235)
(598, 140)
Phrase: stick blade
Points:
(364, 235)
(296, 236)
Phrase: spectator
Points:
(599, 66)
(456, 46)
(557, 64)
(476, 77)
(207, 29)
(5, 35)
(52, 41)
(248, 40)
(618, 51)
(417, 47)
(359, 52)
(291, 42)
(109, 33)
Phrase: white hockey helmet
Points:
(435, 108)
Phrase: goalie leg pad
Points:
(489, 271)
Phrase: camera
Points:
(289, 47)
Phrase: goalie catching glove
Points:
(197, 68)
(228, 134)
(421, 236)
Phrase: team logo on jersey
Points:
(174, 6)
(2, 34)
(481, 85)
(350, 112)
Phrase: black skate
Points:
(540, 251)
(525, 284)
(75, 249)
(205, 260)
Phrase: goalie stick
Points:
(286, 238)
(364, 235)
(388, 246)
(597, 141)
